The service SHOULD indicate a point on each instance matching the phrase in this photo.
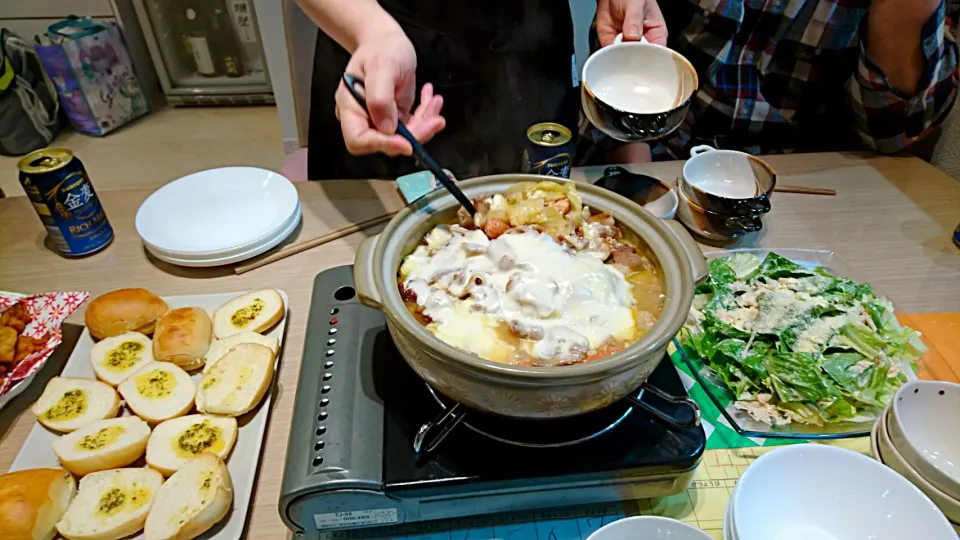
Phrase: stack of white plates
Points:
(219, 216)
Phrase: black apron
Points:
(500, 65)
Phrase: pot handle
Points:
(363, 274)
(692, 419)
(700, 148)
(697, 261)
(619, 39)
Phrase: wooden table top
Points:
(891, 224)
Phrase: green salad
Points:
(794, 344)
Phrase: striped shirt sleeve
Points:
(888, 120)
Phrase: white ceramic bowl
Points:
(217, 212)
(648, 528)
(637, 91)
(729, 525)
(884, 451)
(820, 492)
(923, 428)
(665, 207)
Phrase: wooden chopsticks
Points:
(357, 227)
(313, 242)
(805, 190)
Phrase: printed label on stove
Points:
(356, 518)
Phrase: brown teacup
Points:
(727, 181)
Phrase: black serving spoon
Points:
(418, 150)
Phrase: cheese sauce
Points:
(522, 296)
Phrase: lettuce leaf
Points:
(752, 364)
(797, 377)
(720, 271)
(743, 265)
(906, 345)
(703, 343)
(723, 298)
(862, 339)
(844, 291)
(720, 274)
(712, 323)
(774, 266)
(733, 378)
(836, 410)
(858, 377)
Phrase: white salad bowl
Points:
(648, 528)
(814, 492)
(923, 428)
(888, 454)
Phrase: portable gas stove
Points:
(360, 411)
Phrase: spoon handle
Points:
(426, 159)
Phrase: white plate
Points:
(230, 259)
(217, 210)
(284, 229)
(37, 450)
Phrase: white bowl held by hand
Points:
(649, 528)
(819, 492)
(884, 451)
(637, 91)
(923, 428)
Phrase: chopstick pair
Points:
(313, 242)
(805, 190)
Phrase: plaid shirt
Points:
(793, 75)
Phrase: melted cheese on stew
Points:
(521, 296)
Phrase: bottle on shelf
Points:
(212, 38)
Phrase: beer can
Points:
(61, 193)
(549, 150)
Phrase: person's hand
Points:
(387, 64)
(633, 18)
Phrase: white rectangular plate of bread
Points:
(242, 462)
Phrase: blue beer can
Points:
(60, 190)
(549, 150)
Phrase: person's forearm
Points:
(894, 39)
(348, 22)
